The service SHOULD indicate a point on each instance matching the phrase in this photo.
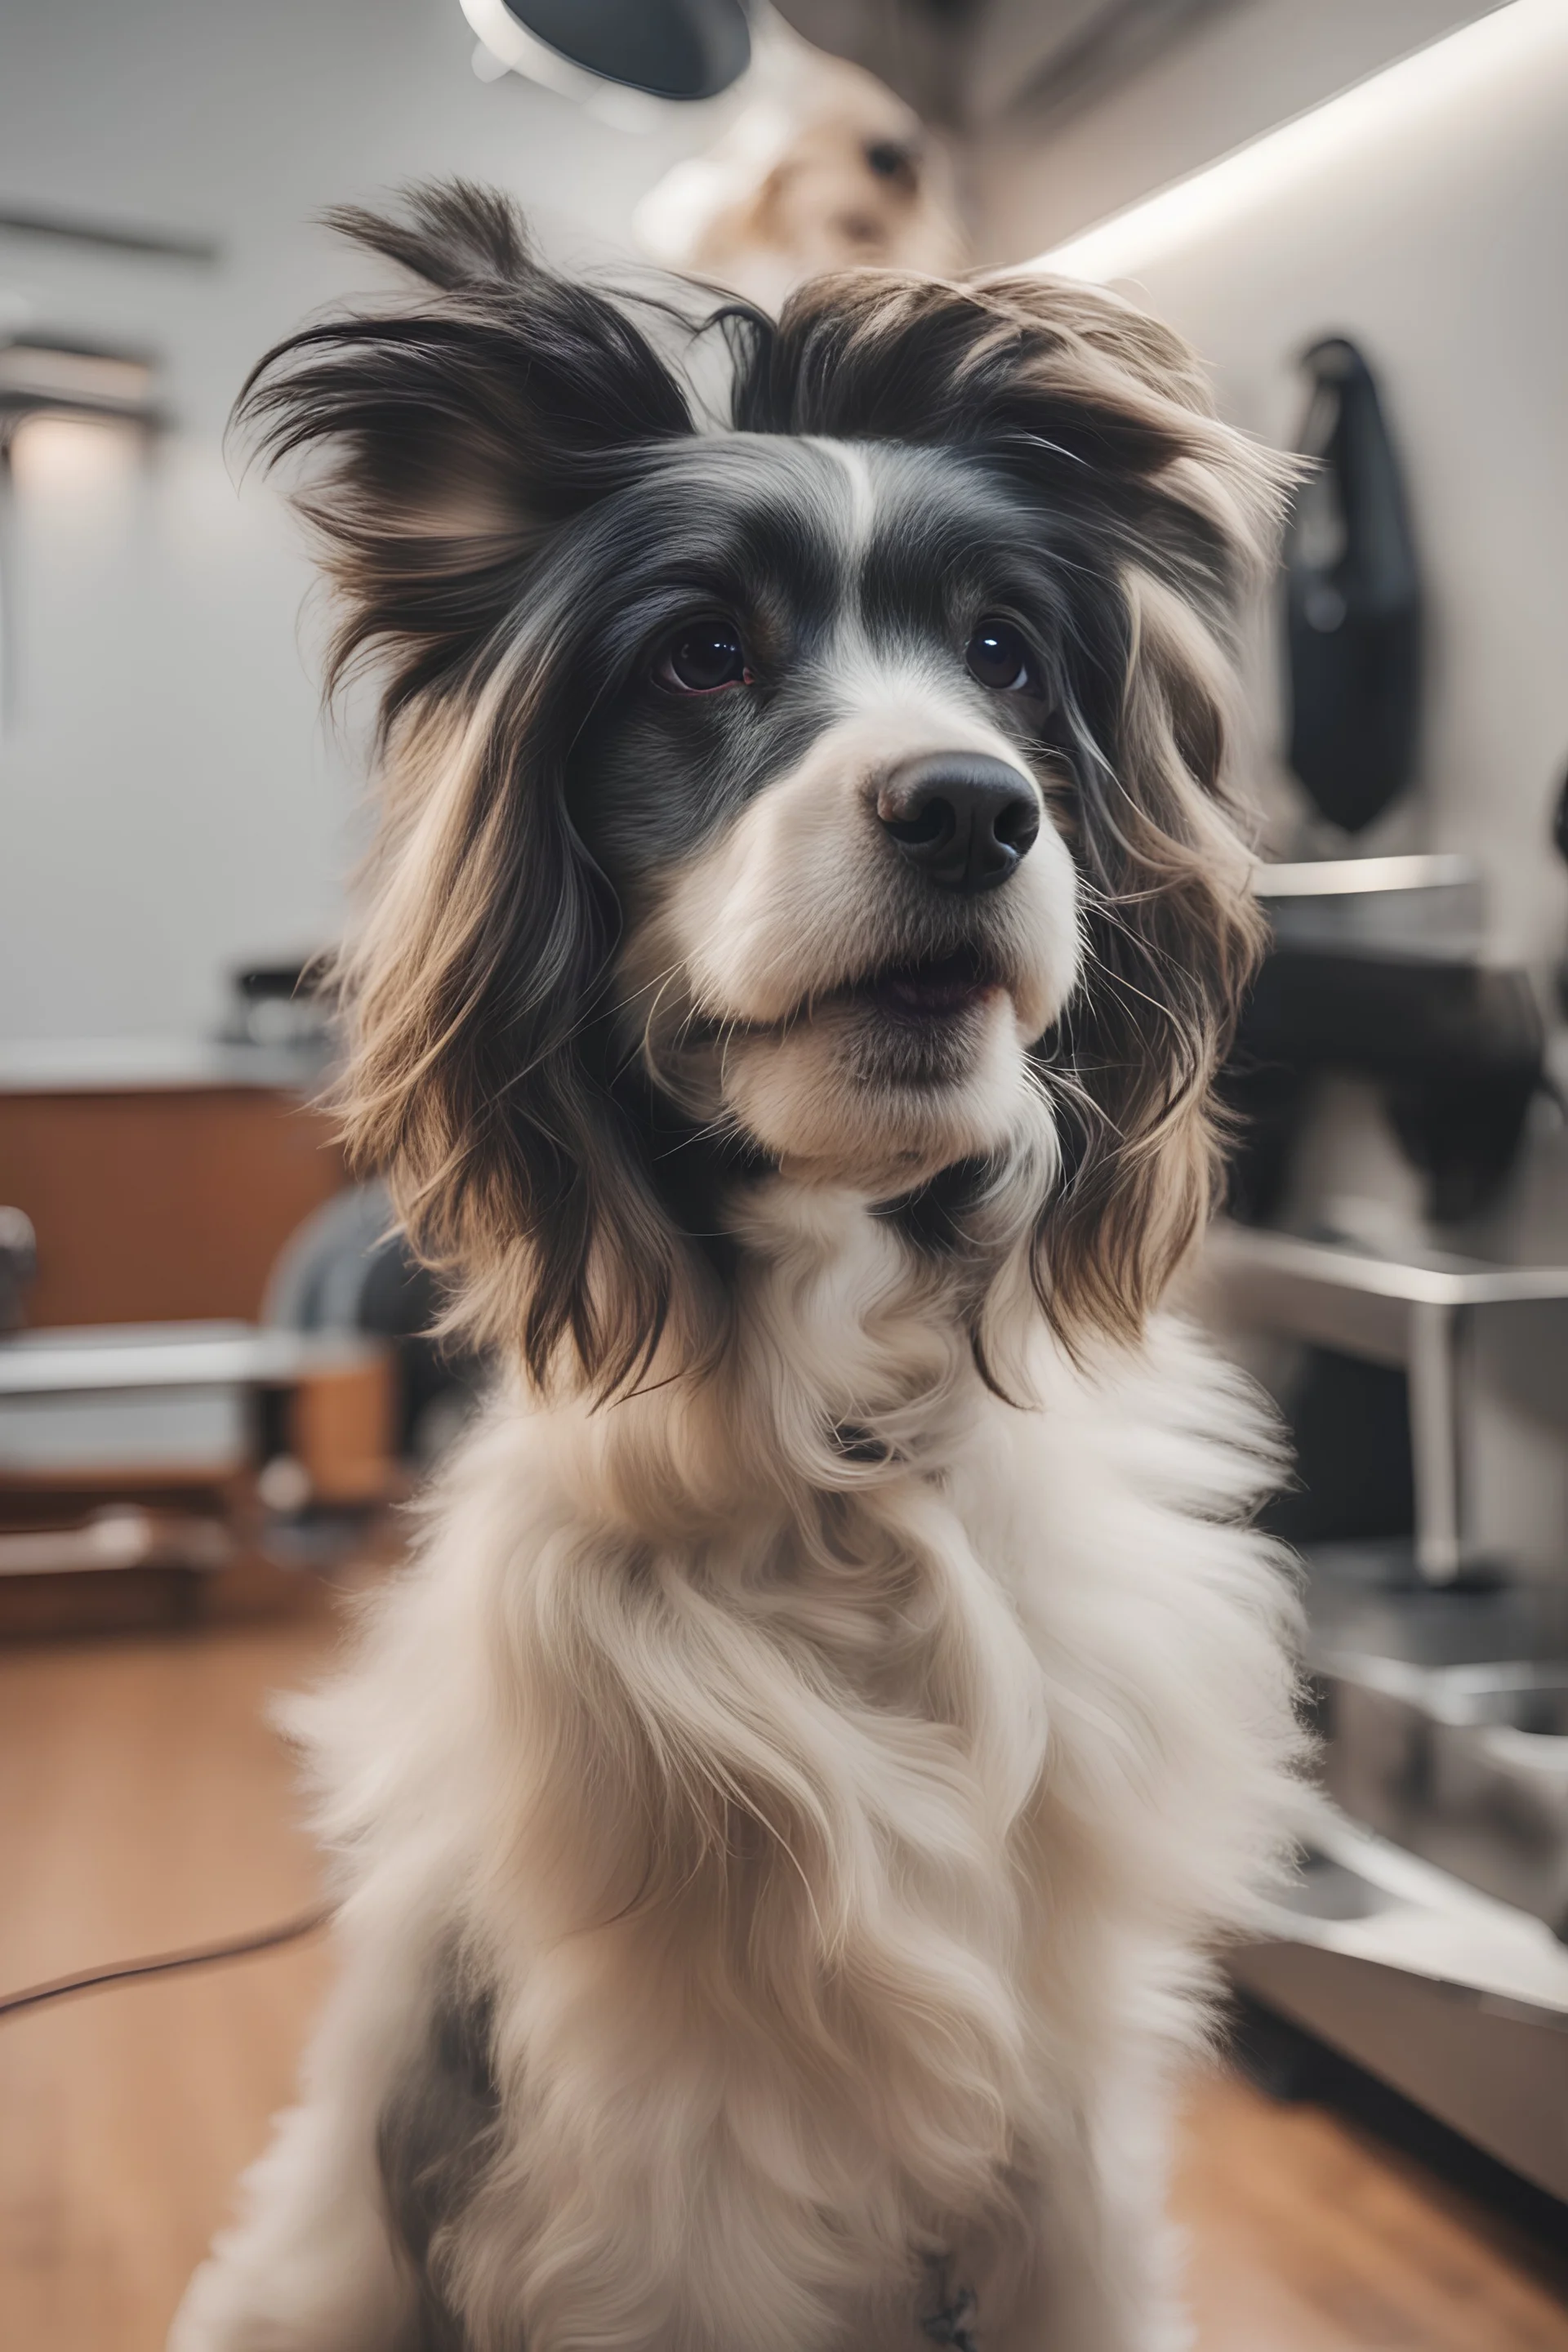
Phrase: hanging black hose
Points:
(1352, 600)
(161, 1964)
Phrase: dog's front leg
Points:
(310, 2266)
(1102, 2274)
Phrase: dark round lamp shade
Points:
(670, 48)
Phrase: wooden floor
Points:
(144, 1803)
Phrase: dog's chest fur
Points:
(817, 1785)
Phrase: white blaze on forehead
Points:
(856, 465)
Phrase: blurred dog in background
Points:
(824, 169)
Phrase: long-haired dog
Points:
(785, 1814)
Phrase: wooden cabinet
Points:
(155, 1202)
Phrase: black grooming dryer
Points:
(1352, 600)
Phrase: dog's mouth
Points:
(924, 996)
(932, 991)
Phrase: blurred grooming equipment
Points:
(140, 1456)
(1377, 970)
(1458, 2001)
(1396, 1266)
(170, 1406)
(1420, 1940)
(684, 50)
(1421, 1316)
(349, 1270)
(134, 1460)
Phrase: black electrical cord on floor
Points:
(159, 1964)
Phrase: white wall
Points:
(1036, 176)
(169, 803)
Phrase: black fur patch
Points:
(952, 2320)
(932, 1219)
(437, 2132)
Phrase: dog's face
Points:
(826, 784)
(840, 792)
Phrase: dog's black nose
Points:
(965, 819)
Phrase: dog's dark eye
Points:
(999, 659)
(704, 657)
(892, 160)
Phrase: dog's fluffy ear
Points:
(1188, 512)
(452, 429)
(446, 436)
(1104, 421)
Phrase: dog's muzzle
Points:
(964, 820)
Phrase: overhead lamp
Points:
(52, 375)
(681, 49)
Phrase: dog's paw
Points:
(211, 2318)
(227, 2308)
